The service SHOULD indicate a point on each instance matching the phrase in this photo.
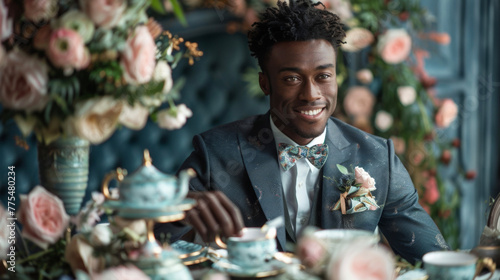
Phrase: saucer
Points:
(134, 211)
(190, 253)
(272, 268)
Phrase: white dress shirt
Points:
(298, 182)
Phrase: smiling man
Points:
(284, 163)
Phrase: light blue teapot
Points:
(147, 187)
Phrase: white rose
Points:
(407, 95)
(383, 120)
(96, 119)
(101, 235)
(134, 117)
(169, 119)
(163, 72)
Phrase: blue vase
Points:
(63, 167)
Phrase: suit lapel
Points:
(259, 154)
(340, 151)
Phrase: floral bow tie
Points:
(288, 154)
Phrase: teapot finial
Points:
(147, 161)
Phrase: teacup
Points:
(452, 265)
(250, 250)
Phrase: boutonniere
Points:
(356, 188)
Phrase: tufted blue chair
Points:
(214, 91)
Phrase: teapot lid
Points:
(147, 172)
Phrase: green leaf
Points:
(157, 6)
(342, 169)
(178, 12)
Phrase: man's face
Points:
(301, 81)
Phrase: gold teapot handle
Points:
(118, 174)
(489, 264)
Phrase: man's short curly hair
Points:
(301, 20)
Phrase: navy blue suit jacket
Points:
(240, 159)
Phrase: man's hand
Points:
(214, 214)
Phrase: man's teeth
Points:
(311, 112)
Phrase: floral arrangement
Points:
(355, 191)
(83, 68)
(391, 95)
(46, 249)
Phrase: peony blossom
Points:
(23, 82)
(5, 23)
(129, 272)
(104, 13)
(37, 10)
(407, 95)
(359, 261)
(356, 39)
(169, 119)
(431, 194)
(359, 101)
(6, 228)
(447, 113)
(363, 178)
(134, 117)
(67, 50)
(383, 120)
(96, 119)
(79, 255)
(138, 58)
(365, 76)
(394, 46)
(78, 22)
(101, 235)
(43, 217)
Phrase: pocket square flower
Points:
(356, 190)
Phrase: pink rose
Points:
(312, 252)
(104, 13)
(431, 194)
(359, 101)
(138, 58)
(129, 272)
(5, 22)
(43, 217)
(399, 145)
(394, 46)
(360, 261)
(363, 178)
(170, 119)
(407, 95)
(37, 10)
(383, 120)
(23, 82)
(365, 76)
(356, 39)
(447, 113)
(134, 117)
(67, 50)
(5, 230)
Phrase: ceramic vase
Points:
(63, 169)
